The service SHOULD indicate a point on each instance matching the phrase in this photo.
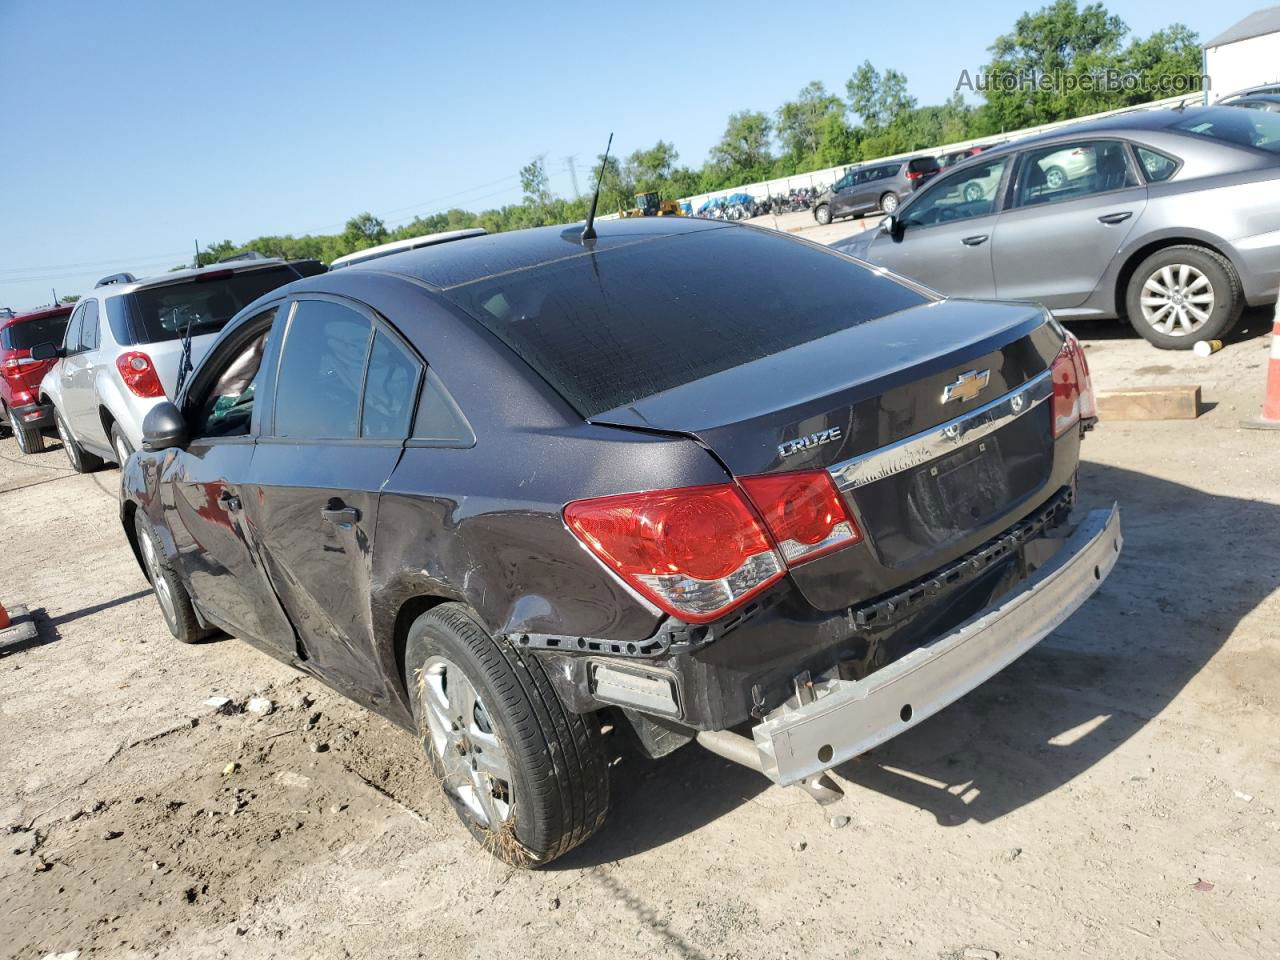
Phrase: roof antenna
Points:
(589, 231)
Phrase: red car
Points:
(20, 375)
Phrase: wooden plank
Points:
(1172, 402)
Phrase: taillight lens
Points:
(804, 513)
(1072, 388)
(139, 375)
(17, 361)
(695, 552)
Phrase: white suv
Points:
(124, 344)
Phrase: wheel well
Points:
(108, 421)
(410, 611)
(1131, 265)
(131, 532)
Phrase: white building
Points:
(1245, 55)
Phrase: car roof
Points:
(117, 288)
(1119, 125)
(398, 246)
(475, 258)
(37, 314)
(1263, 97)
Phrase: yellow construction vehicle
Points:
(652, 205)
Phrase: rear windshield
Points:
(923, 165)
(1245, 128)
(611, 328)
(164, 312)
(25, 335)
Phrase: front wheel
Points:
(888, 203)
(1182, 294)
(171, 595)
(822, 214)
(527, 777)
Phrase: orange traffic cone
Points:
(4, 617)
(1270, 419)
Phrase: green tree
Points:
(837, 142)
(743, 154)
(877, 99)
(1173, 52)
(70, 298)
(1058, 40)
(362, 231)
(800, 121)
(534, 183)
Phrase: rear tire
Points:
(30, 440)
(171, 595)
(888, 203)
(5, 417)
(527, 777)
(822, 214)
(1184, 278)
(81, 460)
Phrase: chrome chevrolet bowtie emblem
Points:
(967, 386)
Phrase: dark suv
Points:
(878, 186)
(508, 491)
(20, 373)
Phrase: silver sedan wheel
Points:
(65, 437)
(158, 580)
(1177, 300)
(474, 759)
(890, 203)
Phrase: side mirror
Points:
(46, 351)
(164, 427)
(889, 225)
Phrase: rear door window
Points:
(1068, 172)
(391, 388)
(615, 326)
(321, 372)
(204, 303)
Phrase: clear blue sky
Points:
(132, 128)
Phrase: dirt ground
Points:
(1112, 794)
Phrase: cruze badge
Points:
(967, 386)
(809, 442)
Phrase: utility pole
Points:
(573, 175)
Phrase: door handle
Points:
(229, 501)
(341, 515)
(975, 240)
(1120, 217)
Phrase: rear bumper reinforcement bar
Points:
(843, 718)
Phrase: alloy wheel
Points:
(474, 759)
(1177, 300)
(890, 203)
(65, 437)
(163, 594)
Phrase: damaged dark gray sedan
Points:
(694, 480)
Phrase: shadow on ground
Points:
(1193, 566)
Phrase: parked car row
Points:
(1169, 218)
(464, 485)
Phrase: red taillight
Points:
(695, 552)
(804, 513)
(1072, 388)
(139, 375)
(17, 360)
(914, 174)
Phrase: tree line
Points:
(875, 117)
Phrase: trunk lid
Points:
(831, 402)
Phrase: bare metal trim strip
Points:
(912, 451)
